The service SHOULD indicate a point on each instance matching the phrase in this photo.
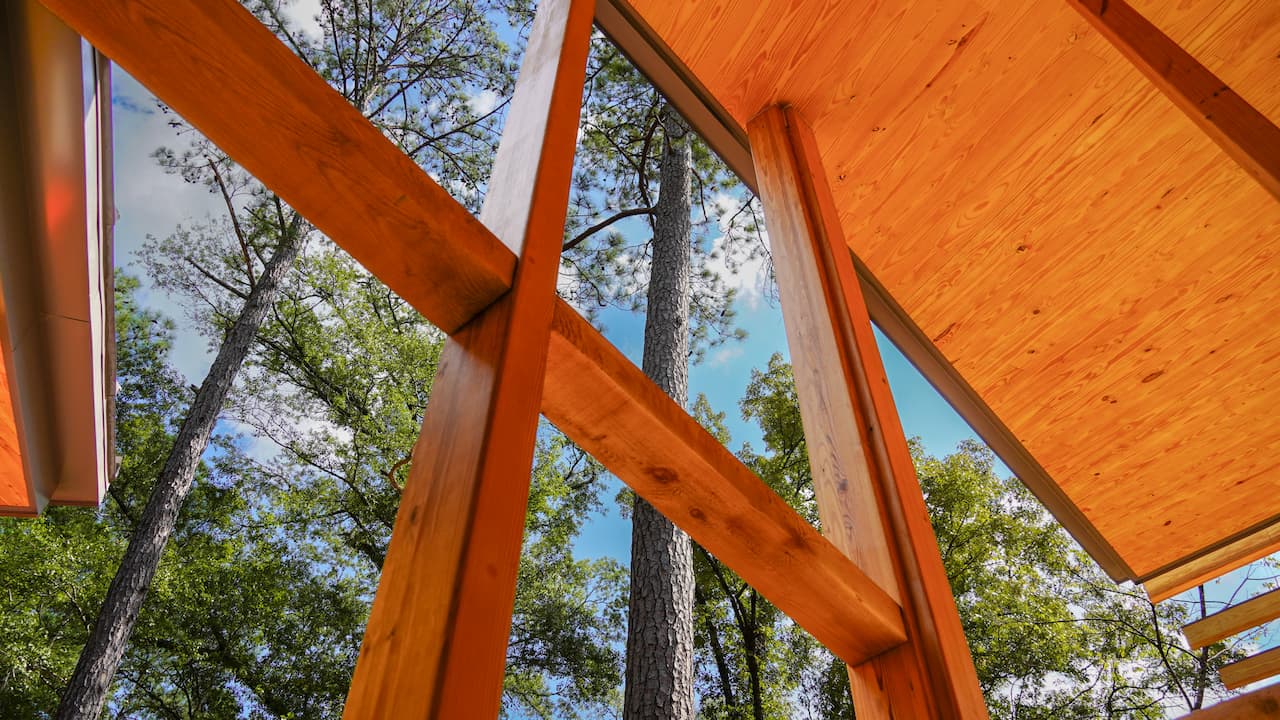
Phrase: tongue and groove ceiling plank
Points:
(1099, 271)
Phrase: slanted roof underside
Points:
(1100, 273)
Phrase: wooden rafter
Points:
(1233, 620)
(436, 641)
(868, 495)
(1214, 563)
(1251, 669)
(1245, 134)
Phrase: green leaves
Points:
(1051, 636)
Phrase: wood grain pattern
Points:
(1233, 620)
(1094, 266)
(16, 497)
(1237, 127)
(1257, 705)
(868, 495)
(218, 67)
(436, 641)
(1204, 568)
(601, 400)
(1251, 669)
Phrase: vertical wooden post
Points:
(435, 646)
(869, 499)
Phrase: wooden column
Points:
(436, 642)
(868, 496)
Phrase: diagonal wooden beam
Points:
(435, 646)
(598, 397)
(1237, 127)
(784, 557)
(230, 77)
(1233, 620)
(870, 501)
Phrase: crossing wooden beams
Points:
(1244, 133)
(1233, 620)
(598, 397)
(435, 646)
(868, 496)
(435, 255)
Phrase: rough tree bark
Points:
(87, 691)
(659, 673)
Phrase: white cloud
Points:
(750, 277)
(305, 15)
(483, 102)
(150, 201)
(725, 353)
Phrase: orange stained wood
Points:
(868, 496)
(601, 400)
(1240, 130)
(1233, 620)
(228, 75)
(1254, 545)
(1099, 271)
(15, 492)
(436, 641)
(1251, 669)
(1257, 705)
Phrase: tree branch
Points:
(604, 224)
(235, 222)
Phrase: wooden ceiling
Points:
(1100, 272)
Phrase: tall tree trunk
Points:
(87, 691)
(659, 675)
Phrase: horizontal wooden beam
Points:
(231, 78)
(1237, 127)
(1216, 562)
(601, 400)
(1233, 620)
(1251, 669)
(1260, 704)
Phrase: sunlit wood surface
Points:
(1100, 272)
(1250, 670)
(14, 490)
(1236, 619)
(1261, 703)
(867, 493)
